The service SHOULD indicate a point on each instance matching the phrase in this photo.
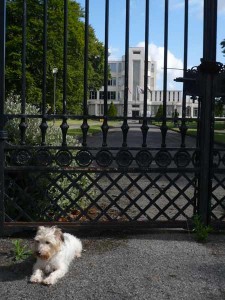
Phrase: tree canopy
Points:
(223, 46)
(55, 46)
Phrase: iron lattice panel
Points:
(218, 197)
(99, 197)
(218, 187)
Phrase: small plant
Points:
(20, 252)
(200, 229)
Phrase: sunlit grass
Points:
(78, 132)
(219, 129)
(94, 126)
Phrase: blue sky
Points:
(156, 31)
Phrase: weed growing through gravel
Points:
(200, 229)
(20, 252)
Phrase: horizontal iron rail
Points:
(102, 170)
(91, 225)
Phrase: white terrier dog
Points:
(55, 251)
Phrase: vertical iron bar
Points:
(125, 126)
(85, 126)
(164, 127)
(144, 126)
(105, 126)
(64, 126)
(23, 125)
(210, 30)
(183, 127)
(3, 134)
(44, 124)
(208, 72)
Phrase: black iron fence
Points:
(124, 183)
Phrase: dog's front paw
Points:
(36, 279)
(49, 280)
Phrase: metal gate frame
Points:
(205, 79)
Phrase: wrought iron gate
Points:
(102, 185)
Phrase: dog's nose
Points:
(38, 253)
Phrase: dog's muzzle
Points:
(42, 256)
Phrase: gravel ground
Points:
(154, 265)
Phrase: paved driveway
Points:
(173, 139)
(154, 265)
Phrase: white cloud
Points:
(196, 6)
(156, 53)
(114, 53)
(221, 6)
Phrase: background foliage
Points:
(55, 50)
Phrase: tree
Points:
(159, 113)
(223, 46)
(112, 111)
(175, 117)
(55, 48)
(219, 107)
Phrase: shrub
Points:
(33, 132)
(112, 112)
(159, 113)
(42, 195)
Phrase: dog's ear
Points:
(58, 234)
(40, 228)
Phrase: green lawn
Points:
(94, 126)
(78, 132)
(192, 128)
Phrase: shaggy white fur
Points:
(54, 251)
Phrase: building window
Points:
(136, 52)
(136, 78)
(101, 95)
(135, 106)
(188, 111)
(120, 81)
(152, 83)
(152, 68)
(195, 112)
(112, 81)
(111, 95)
(112, 67)
(93, 95)
(120, 67)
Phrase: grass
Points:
(78, 132)
(94, 126)
(219, 137)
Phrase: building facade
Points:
(135, 90)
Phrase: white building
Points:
(135, 90)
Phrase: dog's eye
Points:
(47, 242)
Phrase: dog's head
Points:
(48, 241)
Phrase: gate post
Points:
(208, 70)
(3, 134)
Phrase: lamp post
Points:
(54, 71)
